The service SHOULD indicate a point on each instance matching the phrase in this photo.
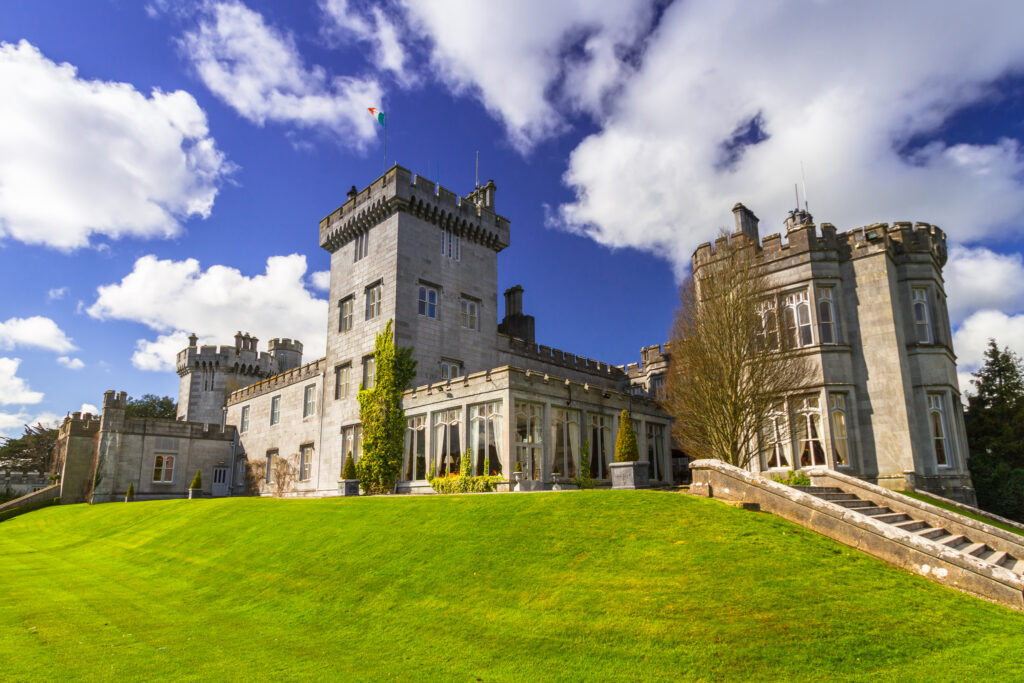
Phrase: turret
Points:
(288, 353)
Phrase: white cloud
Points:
(71, 363)
(979, 278)
(84, 157)
(89, 408)
(175, 298)
(36, 331)
(14, 389)
(321, 280)
(258, 71)
(528, 59)
(659, 174)
(374, 27)
(57, 293)
(971, 339)
(13, 424)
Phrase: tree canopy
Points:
(151, 405)
(33, 451)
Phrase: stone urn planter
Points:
(630, 475)
(348, 487)
(195, 493)
(514, 480)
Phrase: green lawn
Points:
(612, 585)
(952, 508)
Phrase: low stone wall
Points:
(40, 496)
(898, 547)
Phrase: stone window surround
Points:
(937, 405)
(469, 308)
(920, 298)
(341, 380)
(272, 455)
(243, 422)
(309, 401)
(275, 410)
(373, 293)
(306, 462)
(346, 309)
(423, 304)
(789, 441)
(166, 471)
(447, 365)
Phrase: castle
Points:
(866, 305)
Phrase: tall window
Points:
(768, 334)
(309, 400)
(828, 328)
(529, 438)
(351, 442)
(469, 314)
(271, 464)
(921, 319)
(305, 462)
(774, 437)
(656, 450)
(797, 315)
(565, 442)
(600, 432)
(485, 422)
(275, 410)
(345, 307)
(373, 295)
(369, 372)
(808, 431)
(341, 374)
(163, 468)
(446, 441)
(840, 438)
(244, 427)
(937, 418)
(451, 245)
(416, 448)
(362, 244)
(428, 302)
(450, 369)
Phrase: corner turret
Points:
(287, 352)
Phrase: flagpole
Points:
(385, 160)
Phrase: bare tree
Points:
(255, 477)
(284, 476)
(728, 371)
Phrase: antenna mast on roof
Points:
(796, 193)
(477, 176)
(804, 179)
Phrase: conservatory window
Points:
(565, 442)
(447, 444)
(485, 422)
(416, 448)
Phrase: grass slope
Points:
(597, 585)
(952, 508)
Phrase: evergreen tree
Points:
(995, 433)
(626, 449)
(381, 414)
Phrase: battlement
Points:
(651, 358)
(114, 400)
(900, 240)
(279, 381)
(284, 345)
(245, 361)
(557, 357)
(472, 217)
(77, 424)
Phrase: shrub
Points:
(794, 479)
(466, 464)
(626, 449)
(197, 481)
(463, 484)
(130, 496)
(349, 470)
(584, 481)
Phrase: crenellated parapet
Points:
(78, 424)
(242, 359)
(559, 358)
(279, 381)
(473, 217)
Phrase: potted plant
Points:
(130, 495)
(517, 475)
(195, 489)
(348, 485)
(628, 471)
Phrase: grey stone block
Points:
(630, 475)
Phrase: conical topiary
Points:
(130, 496)
(197, 481)
(349, 470)
(626, 449)
(466, 464)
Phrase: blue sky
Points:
(164, 165)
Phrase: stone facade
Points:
(867, 307)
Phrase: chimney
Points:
(238, 341)
(352, 192)
(515, 323)
(192, 339)
(746, 222)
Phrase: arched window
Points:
(163, 468)
(774, 438)
(828, 327)
(840, 438)
(768, 335)
(797, 316)
(937, 418)
(808, 432)
(921, 319)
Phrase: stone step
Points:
(873, 511)
(894, 517)
(815, 490)
(855, 504)
(934, 534)
(986, 554)
(1012, 563)
(976, 549)
(998, 558)
(957, 542)
(834, 497)
(912, 525)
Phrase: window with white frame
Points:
(244, 426)
(840, 436)
(656, 450)
(351, 442)
(922, 319)
(469, 314)
(565, 442)
(309, 400)
(369, 372)
(427, 303)
(797, 316)
(341, 374)
(600, 433)
(271, 464)
(362, 244)
(345, 307)
(306, 462)
(807, 414)
(775, 439)
(275, 410)
(163, 468)
(768, 334)
(485, 422)
(450, 369)
(940, 440)
(658, 386)
(373, 296)
(828, 326)
(529, 438)
(415, 467)
(447, 441)
(451, 245)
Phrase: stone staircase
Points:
(879, 512)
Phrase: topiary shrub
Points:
(130, 496)
(626, 449)
(349, 470)
(466, 464)
(197, 481)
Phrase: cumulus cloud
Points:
(89, 408)
(13, 424)
(321, 280)
(979, 278)
(732, 97)
(71, 363)
(37, 331)
(87, 157)
(175, 298)
(57, 293)
(374, 27)
(258, 71)
(14, 389)
(527, 60)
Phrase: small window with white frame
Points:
(306, 462)
(797, 316)
(341, 376)
(828, 325)
(373, 296)
(427, 302)
(309, 400)
(271, 464)
(922, 317)
(470, 314)
(345, 307)
(163, 469)
(243, 427)
(768, 332)
(940, 433)
(362, 244)
(275, 410)
(774, 439)
(451, 245)
(450, 369)
(369, 372)
(808, 431)
(840, 435)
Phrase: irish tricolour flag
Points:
(377, 114)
